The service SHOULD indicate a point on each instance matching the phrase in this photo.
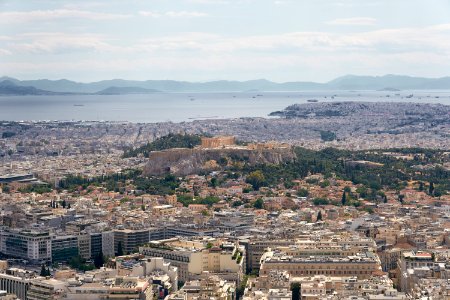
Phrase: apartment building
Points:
(256, 249)
(46, 289)
(164, 210)
(410, 264)
(193, 257)
(275, 285)
(362, 265)
(234, 221)
(156, 268)
(180, 230)
(132, 288)
(108, 243)
(64, 247)
(84, 245)
(320, 287)
(130, 239)
(206, 287)
(31, 245)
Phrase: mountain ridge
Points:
(9, 87)
(113, 90)
(347, 82)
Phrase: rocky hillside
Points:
(190, 161)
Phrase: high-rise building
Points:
(31, 245)
(64, 247)
(108, 243)
(130, 239)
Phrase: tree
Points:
(119, 249)
(321, 201)
(344, 198)
(6, 189)
(369, 210)
(223, 161)
(259, 203)
(431, 188)
(237, 203)
(421, 188)
(214, 182)
(362, 191)
(437, 193)
(302, 192)
(99, 260)
(319, 216)
(77, 262)
(44, 271)
(295, 288)
(241, 288)
(324, 184)
(401, 198)
(256, 179)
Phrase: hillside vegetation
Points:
(166, 142)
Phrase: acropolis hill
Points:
(212, 153)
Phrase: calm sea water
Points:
(179, 107)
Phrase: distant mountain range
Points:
(7, 87)
(114, 90)
(12, 86)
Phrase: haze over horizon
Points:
(205, 40)
(347, 77)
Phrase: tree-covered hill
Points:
(166, 142)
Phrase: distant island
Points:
(391, 83)
(8, 87)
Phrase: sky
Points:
(203, 40)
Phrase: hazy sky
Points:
(199, 40)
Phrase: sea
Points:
(185, 107)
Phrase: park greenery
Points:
(166, 142)
(327, 136)
(389, 173)
(383, 172)
(79, 263)
(187, 199)
(165, 185)
(36, 188)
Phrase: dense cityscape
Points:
(101, 210)
(225, 150)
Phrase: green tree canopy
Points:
(256, 179)
(259, 203)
